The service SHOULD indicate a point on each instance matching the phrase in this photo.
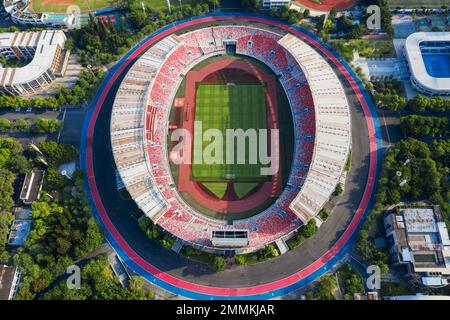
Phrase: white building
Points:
(275, 3)
(18, 9)
(428, 57)
(48, 58)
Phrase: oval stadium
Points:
(162, 109)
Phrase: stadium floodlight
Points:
(41, 159)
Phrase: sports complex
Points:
(245, 72)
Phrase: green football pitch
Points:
(234, 106)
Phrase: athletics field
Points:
(222, 107)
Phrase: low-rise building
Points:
(47, 56)
(419, 239)
(9, 282)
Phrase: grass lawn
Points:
(228, 107)
(217, 188)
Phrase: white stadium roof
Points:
(333, 129)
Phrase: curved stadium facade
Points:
(140, 124)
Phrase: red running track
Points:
(243, 291)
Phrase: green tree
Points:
(138, 18)
(54, 180)
(57, 153)
(5, 125)
(20, 165)
(270, 251)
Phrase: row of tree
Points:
(153, 18)
(83, 90)
(393, 100)
(420, 126)
(15, 102)
(39, 126)
(268, 252)
(390, 101)
(421, 103)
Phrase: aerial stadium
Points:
(141, 119)
(264, 75)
